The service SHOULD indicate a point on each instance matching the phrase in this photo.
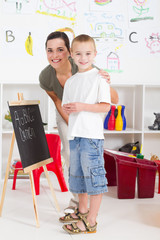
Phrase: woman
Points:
(52, 80)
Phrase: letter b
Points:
(9, 36)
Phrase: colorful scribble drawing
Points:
(105, 26)
(58, 8)
(113, 62)
(140, 11)
(102, 2)
(107, 30)
(67, 29)
(153, 43)
(58, 4)
(29, 44)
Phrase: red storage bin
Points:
(110, 166)
(126, 177)
(146, 178)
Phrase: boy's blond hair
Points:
(83, 38)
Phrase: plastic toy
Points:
(154, 157)
(8, 117)
(131, 148)
(111, 121)
(156, 124)
(123, 117)
(106, 120)
(119, 121)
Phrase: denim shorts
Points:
(86, 171)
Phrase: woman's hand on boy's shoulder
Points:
(105, 75)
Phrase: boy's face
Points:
(83, 54)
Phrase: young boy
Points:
(86, 96)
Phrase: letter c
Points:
(130, 37)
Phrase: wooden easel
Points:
(20, 98)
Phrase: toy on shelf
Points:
(8, 117)
(154, 157)
(140, 155)
(119, 121)
(131, 148)
(115, 119)
(106, 120)
(123, 117)
(156, 124)
(111, 121)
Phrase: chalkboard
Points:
(30, 135)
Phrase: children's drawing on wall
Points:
(142, 10)
(64, 9)
(107, 29)
(153, 43)
(69, 31)
(27, 43)
(109, 57)
(105, 26)
(19, 6)
(144, 42)
(106, 5)
(113, 62)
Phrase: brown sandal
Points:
(69, 219)
(76, 230)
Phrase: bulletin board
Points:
(126, 33)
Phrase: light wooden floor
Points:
(135, 219)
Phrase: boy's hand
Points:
(105, 75)
(73, 107)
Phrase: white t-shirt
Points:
(87, 87)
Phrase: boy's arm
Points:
(78, 107)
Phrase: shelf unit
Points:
(140, 101)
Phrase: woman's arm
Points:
(58, 103)
(78, 107)
(114, 96)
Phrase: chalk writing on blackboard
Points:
(22, 121)
(30, 135)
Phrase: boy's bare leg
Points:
(83, 202)
(95, 202)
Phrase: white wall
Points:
(138, 64)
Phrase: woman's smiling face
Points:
(57, 52)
